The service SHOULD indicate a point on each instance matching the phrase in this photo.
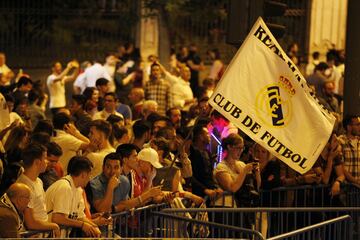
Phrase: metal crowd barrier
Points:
(336, 229)
(175, 226)
(137, 222)
(272, 222)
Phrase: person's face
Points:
(155, 72)
(261, 153)
(43, 162)
(133, 96)
(109, 103)
(235, 150)
(145, 167)
(22, 108)
(204, 108)
(205, 136)
(111, 60)
(329, 89)
(185, 73)
(173, 142)
(112, 167)
(85, 178)
(26, 88)
(158, 125)
(132, 161)
(2, 59)
(52, 160)
(175, 117)
(74, 107)
(23, 200)
(184, 51)
(355, 127)
(57, 68)
(104, 88)
(95, 96)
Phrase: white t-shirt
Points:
(222, 167)
(57, 92)
(90, 75)
(69, 145)
(63, 197)
(37, 197)
(97, 159)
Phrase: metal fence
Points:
(337, 228)
(292, 208)
(35, 33)
(273, 222)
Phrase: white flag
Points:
(264, 94)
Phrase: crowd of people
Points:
(135, 133)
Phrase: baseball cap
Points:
(150, 155)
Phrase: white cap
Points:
(150, 155)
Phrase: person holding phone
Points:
(231, 172)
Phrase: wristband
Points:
(337, 180)
(82, 225)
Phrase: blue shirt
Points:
(99, 185)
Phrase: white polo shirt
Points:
(57, 92)
(37, 196)
(70, 146)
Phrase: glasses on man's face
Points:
(109, 100)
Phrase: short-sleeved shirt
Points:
(57, 92)
(37, 197)
(69, 145)
(223, 168)
(99, 185)
(97, 159)
(64, 197)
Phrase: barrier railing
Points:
(174, 226)
(297, 196)
(337, 228)
(134, 223)
(141, 222)
(273, 221)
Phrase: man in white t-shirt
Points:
(34, 161)
(100, 132)
(64, 198)
(90, 75)
(68, 138)
(56, 84)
